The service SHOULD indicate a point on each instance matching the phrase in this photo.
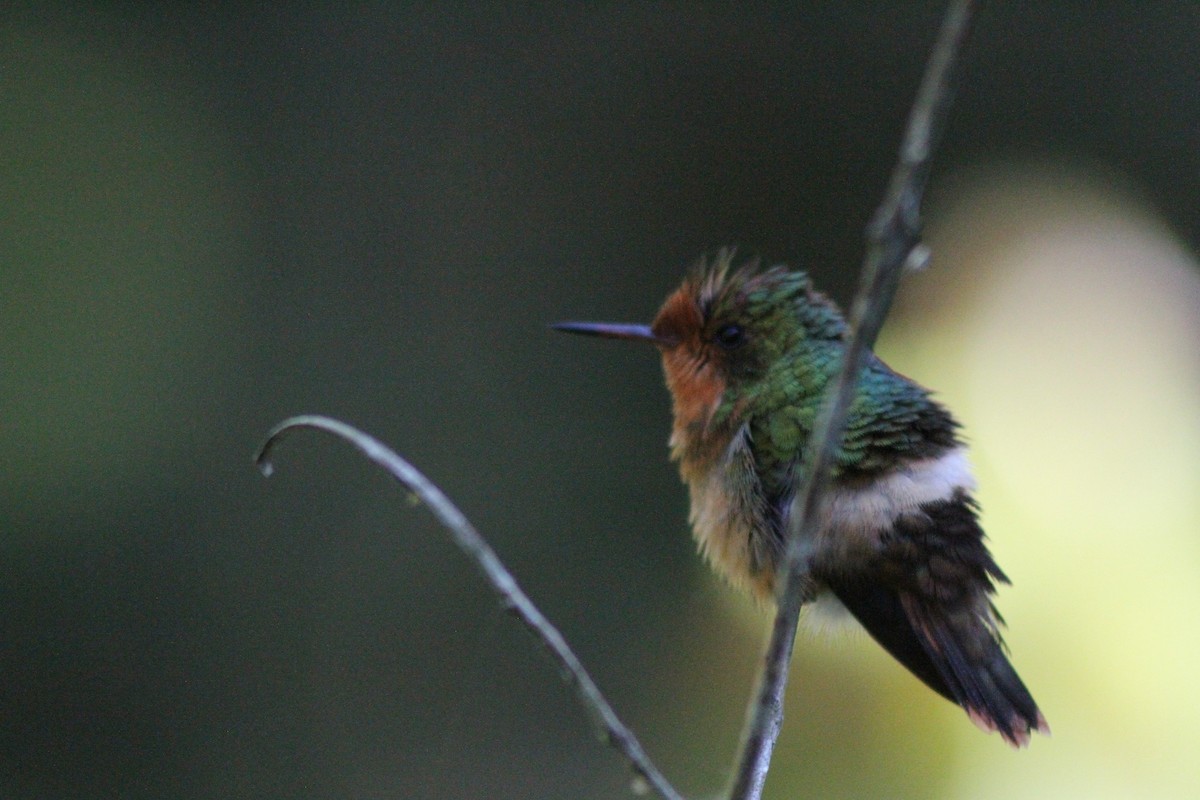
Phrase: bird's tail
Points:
(969, 656)
(956, 651)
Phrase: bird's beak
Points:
(613, 330)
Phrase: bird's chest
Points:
(740, 527)
(731, 517)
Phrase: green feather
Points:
(776, 379)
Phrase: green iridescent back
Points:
(775, 380)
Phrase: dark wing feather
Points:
(879, 611)
(926, 601)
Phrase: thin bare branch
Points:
(514, 600)
(893, 241)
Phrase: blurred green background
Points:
(214, 217)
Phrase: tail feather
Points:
(957, 655)
(971, 660)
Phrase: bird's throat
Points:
(696, 391)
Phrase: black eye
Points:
(730, 336)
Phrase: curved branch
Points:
(893, 242)
(514, 600)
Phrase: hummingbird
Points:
(748, 354)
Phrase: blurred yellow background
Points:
(1069, 343)
(213, 218)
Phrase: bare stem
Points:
(514, 600)
(893, 241)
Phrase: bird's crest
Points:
(712, 282)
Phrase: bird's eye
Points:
(730, 336)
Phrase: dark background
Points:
(213, 218)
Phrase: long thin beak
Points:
(612, 330)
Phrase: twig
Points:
(514, 600)
(893, 241)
